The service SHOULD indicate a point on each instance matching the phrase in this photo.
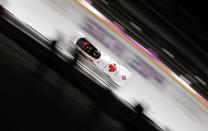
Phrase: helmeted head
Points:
(87, 47)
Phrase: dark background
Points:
(34, 97)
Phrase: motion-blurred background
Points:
(41, 91)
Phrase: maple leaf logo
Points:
(112, 67)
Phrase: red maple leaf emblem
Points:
(112, 67)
